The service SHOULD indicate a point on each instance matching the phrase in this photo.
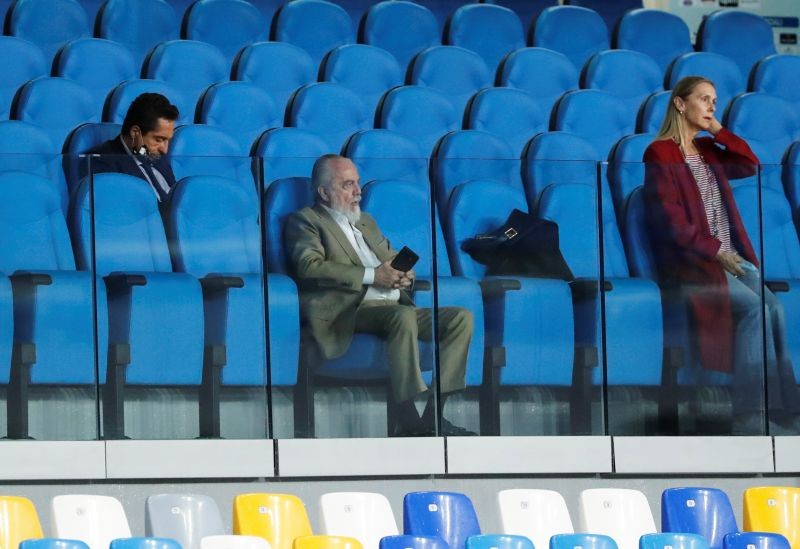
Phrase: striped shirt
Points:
(716, 212)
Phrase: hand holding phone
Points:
(405, 260)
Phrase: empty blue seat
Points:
(671, 540)
(412, 542)
(778, 75)
(20, 61)
(449, 515)
(727, 78)
(329, 110)
(26, 147)
(611, 12)
(316, 26)
(56, 105)
(229, 25)
(144, 543)
(80, 140)
(400, 27)
(543, 73)
(657, 33)
(441, 9)
(187, 65)
(288, 152)
(582, 541)
(384, 154)
(367, 71)
(626, 169)
(574, 31)
(498, 541)
(275, 67)
(354, 8)
(630, 76)
(123, 95)
(97, 64)
(490, 31)
(137, 24)
(595, 115)
(419, 113)
(526, 10)
(456, 72)
(754, 38)
(755, 540)
(652, 112)
(792, 181)
(242, 109)
(509, 113)
(53, 543)
(48, 23)
(704, 511)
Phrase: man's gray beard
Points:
(352, 215)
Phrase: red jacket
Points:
(682, 241)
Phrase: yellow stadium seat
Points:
(773, 509)
(326, 542)
(278, 518)
(18, 521)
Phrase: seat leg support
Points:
(119, 356)
(214, 358)
(23, 357)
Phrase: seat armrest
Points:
(499, 286)
(777, 285)
(216, 282)
(121, 281)
(422, 286)
(585, 288)
(32, 278)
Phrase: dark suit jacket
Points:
(114, 158)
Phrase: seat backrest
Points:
(574, 31)
(20, 61)
(772, 509)
(316, 26)
(704, 511)
(641, 260)
(660, 34)
(755, 540)
(595, 115)
(289, 152)
(544, 73)
(537, 514)
(611, 12)
(278, 518)
(199, 149)
(449, 515)
(367, 71)
(186, 518)
(80, 140)
(498, 541)
(400, 27)
(365, 516)
(456, 72)
(329, 110)
(243, 110)
(144, 543)
(778, 75)
(745, 118)
(19, 521)
(277, 68)
(490, 31)
(384, 154)
(419, 113)
(282, 198)
(754, 38)
(326, 542)
(121, 97)
(229, 25)
(97, 64)
(95, 520)
(792, 179)
(52, 543)
(652, 112)
(188, 65)
(673, 540)
(626, 169)
(622, 514)
(137, 24)
(727, 78)
(233, 542)
(412, 542)
(512, 114)
(48, 23)
(582, 541)
(27, 148)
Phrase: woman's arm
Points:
(737, 159)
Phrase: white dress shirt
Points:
(160, 179)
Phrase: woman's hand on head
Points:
(715, 126)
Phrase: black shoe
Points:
(413, 429)
(450, 430)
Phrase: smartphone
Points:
(405, 260)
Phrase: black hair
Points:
(145, 111)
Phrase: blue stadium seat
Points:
(48, 23)
(498, 541)
(53, 543)
(582, 541)
(652, 112)
(630, 76)
(123, 95)
(137, 24)
(509, 113)
(384, 154)
(316, 26)
(229, 25)
(726, 76)
(526, 10)
(329, 110)
(242, 109)
(446, 514)
(595, 115)
(54, 308)
(123, 238)
(778, 75)
(20, 61)
(657, 33)
(441, 9)
(456, 72)
(268, 8)
(672, 540)
(400, 27)
(96, 64)
(704, 511)
(754, 39)
(199, 149)
(625, 169)
(414, 542)
(611, 12)
(354, 8)
(288, 152)
(56, 105)
(419, 113)
(367, 71)
(275, 67)
(792, 181)
(490, 31)
(144, 543)
(574, 31)
(27, 148)
(80, 140)
(544, 73)
(187, 65)
(755, 540)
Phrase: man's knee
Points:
(461, 320)
(404, 319)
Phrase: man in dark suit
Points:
(140, 148)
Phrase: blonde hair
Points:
(672, 126)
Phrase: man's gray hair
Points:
(321, 172)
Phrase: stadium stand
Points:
(229, 25)
(595, 115)
(488, 30)
(574, 31)
(659, 34)
(48, 23)
(771, 509)
(186, 518)
(509, 113)
(137, 24)
(23, 520)
(384, 154)
(622, 514)
(544, 73)
(761, 540)
(120, 98)
(94, 520)
(286, 520)
(20, 61)
(288, 152)
(400, 27)
(534, 513)
(777, 75)
(316, 26)
(704, 511)
(652, 111)
(728, 81)
(754, 38)
(365, 516)
(188, 66)
(446, 514)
